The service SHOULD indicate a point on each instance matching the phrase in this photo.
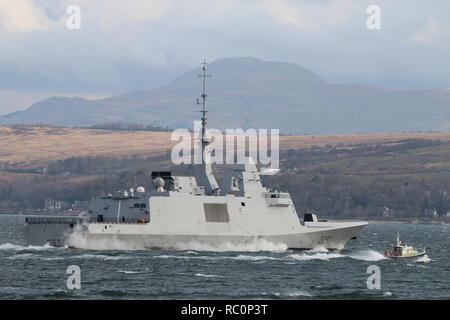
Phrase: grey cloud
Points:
(123, 55)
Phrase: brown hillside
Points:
(26, 145)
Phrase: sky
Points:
(126, 45)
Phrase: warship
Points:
(181, 211)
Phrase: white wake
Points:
(367, 255)
(10, 246)
(77, 239)
(254, 246)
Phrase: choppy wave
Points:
(191, 252)
(424, 258)
(298, 293)
(118, 257)
(33, 256)
(319, 254)
(10, 246)
(316, 256)
(290, 257)
(367, 255)
(185, 257)
(254, 258)
(208, 275)
(197, 257)
(254, 246)
(129, 271)
(290, 294)
(90, 256)
(22, 256)
(51, 258)
(101, 256)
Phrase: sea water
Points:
(261, 270)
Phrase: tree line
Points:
(407, 178)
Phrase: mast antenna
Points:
(203, 75)
(104, 177)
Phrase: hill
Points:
(358, 175)
(252, 93)
(25, 146)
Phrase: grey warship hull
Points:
(61, 235)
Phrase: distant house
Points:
(386, 212)
(42, 170)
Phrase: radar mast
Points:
(204, 141)
(203, 172)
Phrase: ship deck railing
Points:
(114, 221)
(74, 220)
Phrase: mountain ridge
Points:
(251, 93)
